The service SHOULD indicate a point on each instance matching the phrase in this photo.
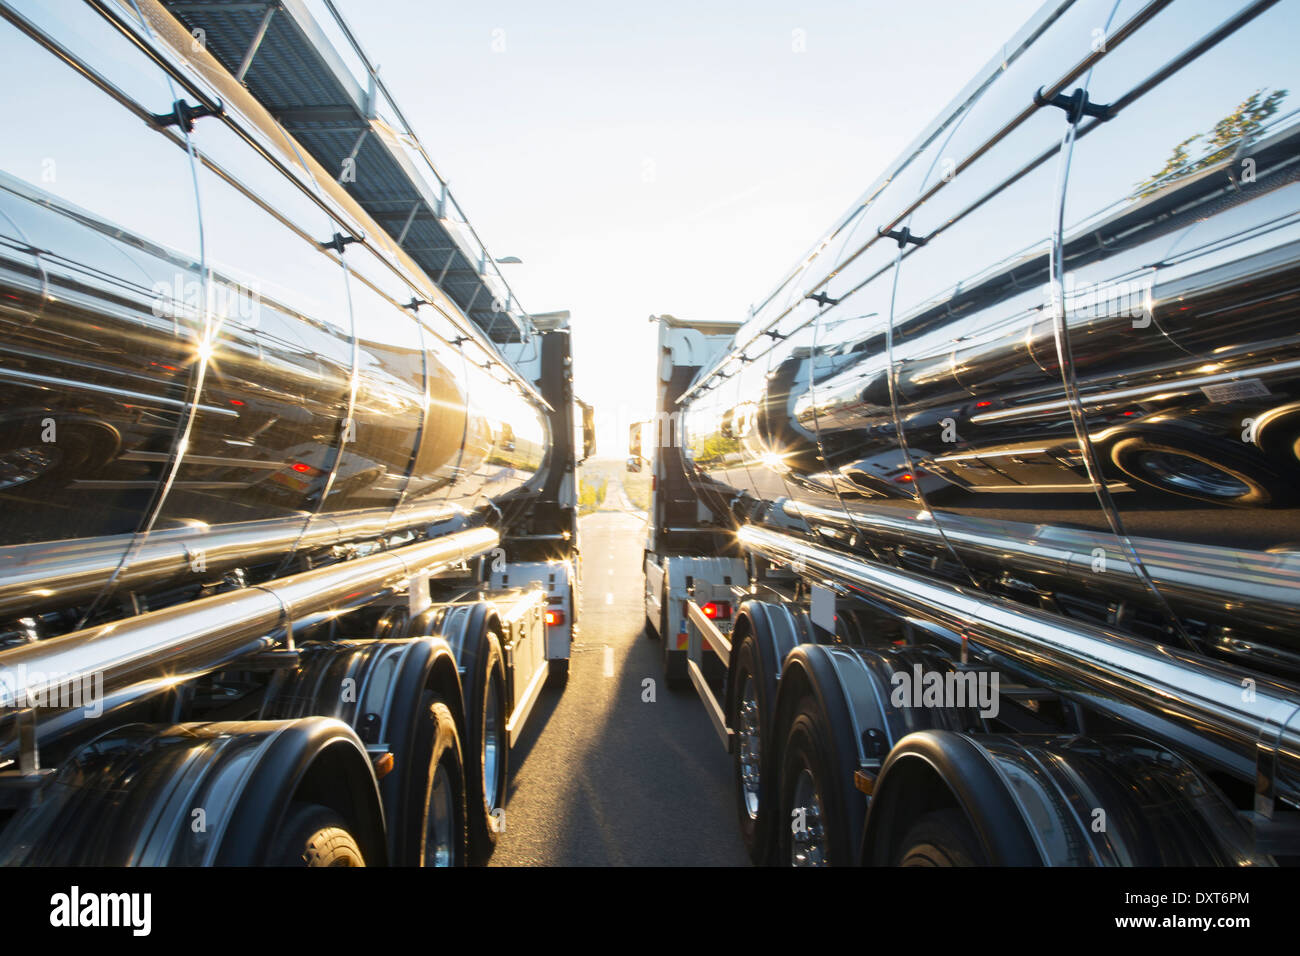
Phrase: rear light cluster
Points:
(908, 477)
(717, 610)
(554, 618)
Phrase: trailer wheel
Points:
(813, 822)
(676, 674)
(314, 835)
(941, 838)
(393, 624)
(1200, 470)
(438, 828)
(753, 696)
(486, 745)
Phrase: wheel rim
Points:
(1191, 474)
(21, 465)
(750, 746)
(491, 745)
(440, 821)
(808, 848)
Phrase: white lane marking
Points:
(609, 661)
(609, 597)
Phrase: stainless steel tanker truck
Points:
(979, 537)
(288, 539)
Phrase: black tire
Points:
(828, 840)
(940, 838)
(437, 747)
(557, 672)
(675, 672)
(655, 629)
(394, 623)
(1204, 471)
(757, 824)
(314, 835)
(486, 746)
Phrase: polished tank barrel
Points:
(210, 355)
(1055, 358)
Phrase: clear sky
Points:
(672, 157)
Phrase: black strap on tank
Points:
(903, 237)
(1076, 105)
(184, 115)
(338, 241)
(821, 298)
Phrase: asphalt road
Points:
(601, 776)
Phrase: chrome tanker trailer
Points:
(980, 536)
(288, 544)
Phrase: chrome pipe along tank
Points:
(1050, 356)
(210, 356)
(49, 574)
(186, 640)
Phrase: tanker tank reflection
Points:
(98, 371)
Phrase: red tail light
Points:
(554, 618)
(717, 610)
(304, 469)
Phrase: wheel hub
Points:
(21, 465)
(750, 746)
(439, 821)
(1192, 474)
(491, 745)
(809, 845)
